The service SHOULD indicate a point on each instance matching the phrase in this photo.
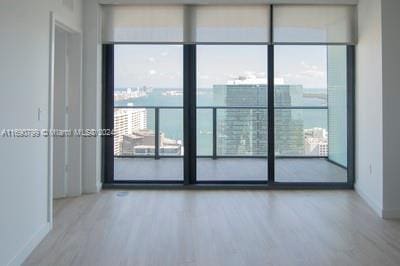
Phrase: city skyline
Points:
(241, 132)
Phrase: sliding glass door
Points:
(228, 92)
(148, 112)
(310, 113)
(232, 113)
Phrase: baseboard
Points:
(371, 203)
(27, 249)
(99, 186)
(391, 214)
(94, 188)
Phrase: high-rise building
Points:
(316, 142)
(126, 121)
(121, 128)
(142, 142)
(138, 119)
(289, 123)
(243, 131)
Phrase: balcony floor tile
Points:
(233, 169)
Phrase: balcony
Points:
(232, 145)
(230, 169)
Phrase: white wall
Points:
(24, 83)
(391, 107)
(92, 112)
(369, 172)
(377, 106)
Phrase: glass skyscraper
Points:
(289, 123)
(242, 130)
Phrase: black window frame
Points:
(189, 120)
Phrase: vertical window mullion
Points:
(108, 109)
(189, 113)
(271, 116)
(271, 101)
(350, 114)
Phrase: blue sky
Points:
(161, 65)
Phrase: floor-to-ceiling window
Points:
(232, 114)
(229, 94)
(310, 113)
(148, 112)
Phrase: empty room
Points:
(199, 133)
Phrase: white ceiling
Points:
(338, 2)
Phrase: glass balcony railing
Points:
(155, 131)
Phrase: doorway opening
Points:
(65, 112)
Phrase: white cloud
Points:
(313, 73)
(310, 76)
(260, 75)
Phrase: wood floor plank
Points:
(205, 228)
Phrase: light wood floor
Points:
(206, 228)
